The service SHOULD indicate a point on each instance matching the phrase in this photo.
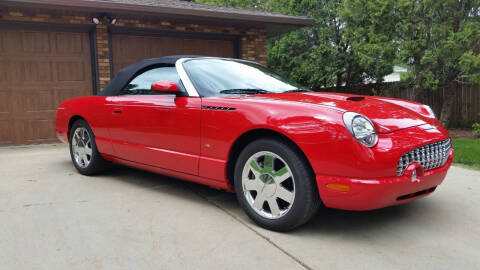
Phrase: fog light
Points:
(338, 187)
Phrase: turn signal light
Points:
(338, 187)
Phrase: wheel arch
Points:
(72, 120)
(243, 140)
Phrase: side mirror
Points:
(165, 87)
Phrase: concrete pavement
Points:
(51, 217)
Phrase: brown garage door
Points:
(38, 70)
(129, 49)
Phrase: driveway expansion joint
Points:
(268, 240)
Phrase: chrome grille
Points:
(431, 156)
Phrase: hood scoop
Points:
(355, 98)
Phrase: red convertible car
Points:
(235, 125)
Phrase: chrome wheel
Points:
(81, 147)
(268, 185)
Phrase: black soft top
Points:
(127, 73)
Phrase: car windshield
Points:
(214, 77)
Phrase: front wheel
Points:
(275, 185)
(83, 149)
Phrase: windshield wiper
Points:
(245, 91)
(298, 90)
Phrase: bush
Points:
(476, 128)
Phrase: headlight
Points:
(430, 111)
(361, 128)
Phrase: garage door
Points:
(38, 70)
(129, 49)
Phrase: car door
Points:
(161, 130)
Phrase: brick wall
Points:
(253, 46)
(103, 55)
(252, 40)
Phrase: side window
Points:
(141, 84)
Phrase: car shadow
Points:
(160, 183)
(356, 223)
(326, 221)
(137, 177)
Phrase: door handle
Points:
(117, 110)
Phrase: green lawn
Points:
(467, 152)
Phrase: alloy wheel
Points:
(82, 147)
(268, 185)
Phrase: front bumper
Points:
(368, 194)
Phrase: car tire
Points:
(275, 172)
(83, 149)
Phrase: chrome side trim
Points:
(192, 92)
(218, 108)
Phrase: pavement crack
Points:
(267, 239)
(38, 204)
(50, 203)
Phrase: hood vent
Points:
(355, 98)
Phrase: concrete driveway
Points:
(51, 217)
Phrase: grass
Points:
(467, 152)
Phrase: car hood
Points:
(387, 116)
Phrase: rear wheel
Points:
(83, 149)
(275, 185)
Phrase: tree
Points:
(437, 39)
(317, 56)
(320, 55)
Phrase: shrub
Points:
(476, 128)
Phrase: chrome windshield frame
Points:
(191, 90)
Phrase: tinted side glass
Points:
(141, 84)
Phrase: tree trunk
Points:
(416, 94)
(339, 81)
(447, 108)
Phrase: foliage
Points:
(317, 56)
(476, 128)
(467, 151)
(436, 38)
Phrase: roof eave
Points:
(292, 21)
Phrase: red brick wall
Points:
(253, 41)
